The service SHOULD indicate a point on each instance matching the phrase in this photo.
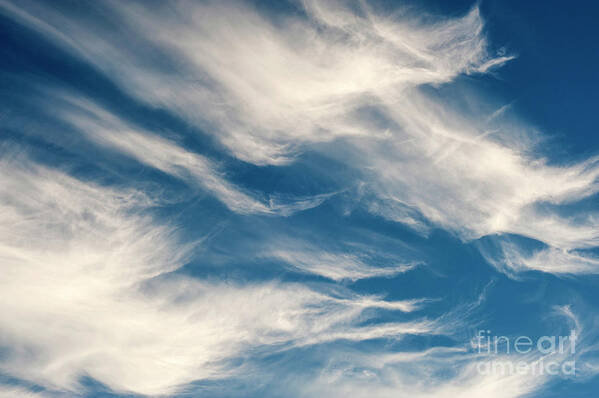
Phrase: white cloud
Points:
(336, 266)
(267, 87)
(107, 130)
(468, 183)
(19, 392)
(85, 291)
(264, 86)
(514, 259)
(445, 371)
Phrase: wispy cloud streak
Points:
(85, 291)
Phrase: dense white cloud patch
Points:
(457, 177)
(85, 291)
(267, 86)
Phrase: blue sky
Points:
(297, 199)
